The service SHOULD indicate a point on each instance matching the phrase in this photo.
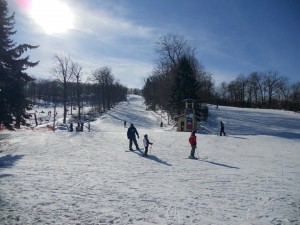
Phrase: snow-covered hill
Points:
(251, 176)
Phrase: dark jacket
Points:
(131, 132)
(222, 125)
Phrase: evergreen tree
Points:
(13, 78)
(185, 85)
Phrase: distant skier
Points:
(124, 123)
(131, 132)
(146, 144)
(89, 126)
(193, 142)
(222, 129)
(71, 127)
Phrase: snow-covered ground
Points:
(252, 176)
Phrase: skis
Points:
(196, 158)
(134, 150)
(203, 158)
(193, 157)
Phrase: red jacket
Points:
(193, 140)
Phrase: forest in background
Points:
(177, 75)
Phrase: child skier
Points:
(193, 142)
(146, 144)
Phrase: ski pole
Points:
(197, 153)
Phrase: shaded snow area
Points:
(250, 177)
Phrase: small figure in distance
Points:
(222, 129)
(71, 127)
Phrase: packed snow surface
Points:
(251, 176)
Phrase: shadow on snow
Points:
(152, 157)
(220, 164)
(9, 160)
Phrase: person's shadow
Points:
(219, 164)
(153, 157)
(9, 160)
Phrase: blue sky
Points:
(232, 37)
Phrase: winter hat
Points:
(145, 135)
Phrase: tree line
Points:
(18, 90)
(178, 75)
(100, 90)
(260, 90)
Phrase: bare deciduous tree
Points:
(171, 48)
(105, 79)
(295, 92)
(273, 83)
(256, 81)
(62, 70)
(77, 75)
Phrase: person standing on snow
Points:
(193, 142)
(146, 144)
(222, 129)
(71, 127)
(131, 132)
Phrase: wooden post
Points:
(36, 122)
(54, 117)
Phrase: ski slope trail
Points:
(243, 121)
(89, 178)
(133, 111)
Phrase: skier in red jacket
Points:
(193, 142)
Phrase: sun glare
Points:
(52, 15)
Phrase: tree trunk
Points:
(65, 100)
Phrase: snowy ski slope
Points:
(251, 177)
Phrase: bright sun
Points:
(52, 15)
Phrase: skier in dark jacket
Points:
(222, 129)
(71, 127)
(131, 132)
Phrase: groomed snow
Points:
(251, 176)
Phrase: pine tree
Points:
(13, 78)
(185, 85)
